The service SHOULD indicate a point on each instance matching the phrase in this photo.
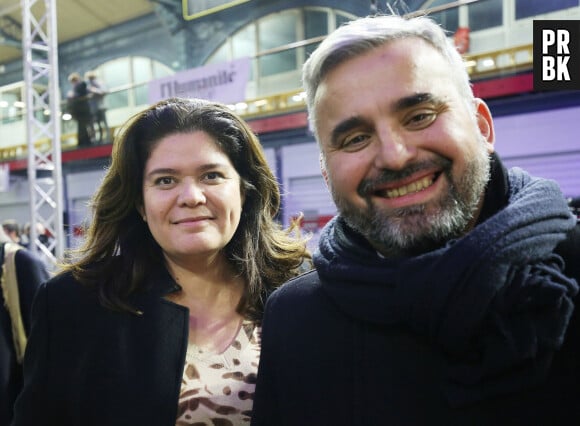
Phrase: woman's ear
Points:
(242, 193)
(485, 123)
(141, 212)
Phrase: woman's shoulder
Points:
(62, 278)
(64, 299)
(66, 277)
(63, 286)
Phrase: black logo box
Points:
(573, 64)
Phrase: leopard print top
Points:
(218, 389)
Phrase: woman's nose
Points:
(191, 193)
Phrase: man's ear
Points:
(323, 169)
(485, 123)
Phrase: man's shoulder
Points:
(310, 277)
(305, 290)
(303, 286)
(301, 308)
(300, 285)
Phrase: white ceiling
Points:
(75, 18)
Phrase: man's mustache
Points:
(369, 186)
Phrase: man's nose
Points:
(394, 149)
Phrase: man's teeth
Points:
(412, 187)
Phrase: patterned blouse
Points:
(218, 389)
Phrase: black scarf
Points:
(495, 301)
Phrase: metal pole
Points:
(40, 56)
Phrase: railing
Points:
(483, 65)
(511, 60)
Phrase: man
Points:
(438, 297)
(97, 94)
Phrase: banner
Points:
(224, 82)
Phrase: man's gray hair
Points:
(362, 35)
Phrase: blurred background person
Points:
(79, 108)
(21, 273)
(12, 229)
(42, 235)
(97, 92)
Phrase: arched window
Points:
(126, 79)
(279, 44)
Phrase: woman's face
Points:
(192, 200)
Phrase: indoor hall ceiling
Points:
(75, 18)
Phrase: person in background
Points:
(574, 204)
(570, 248)
(21, 274)
(12, 229)
(79, 108)
(25, 235)
(97, 92)
(439, 295)
(41, 234)
(157, 319)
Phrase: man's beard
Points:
(418, 229)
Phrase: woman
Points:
(157, 322)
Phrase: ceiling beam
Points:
(10, 32)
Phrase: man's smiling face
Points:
(404, 154)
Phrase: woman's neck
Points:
(212, 295)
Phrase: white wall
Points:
(545, 143)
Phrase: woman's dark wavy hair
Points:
(264, 254)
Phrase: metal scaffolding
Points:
(40, 57)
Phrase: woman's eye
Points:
(164, 181)
(213, 176)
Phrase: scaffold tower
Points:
(40, 57)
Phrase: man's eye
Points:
(421, 120)
(355, 143)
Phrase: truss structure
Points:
(40, 56)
